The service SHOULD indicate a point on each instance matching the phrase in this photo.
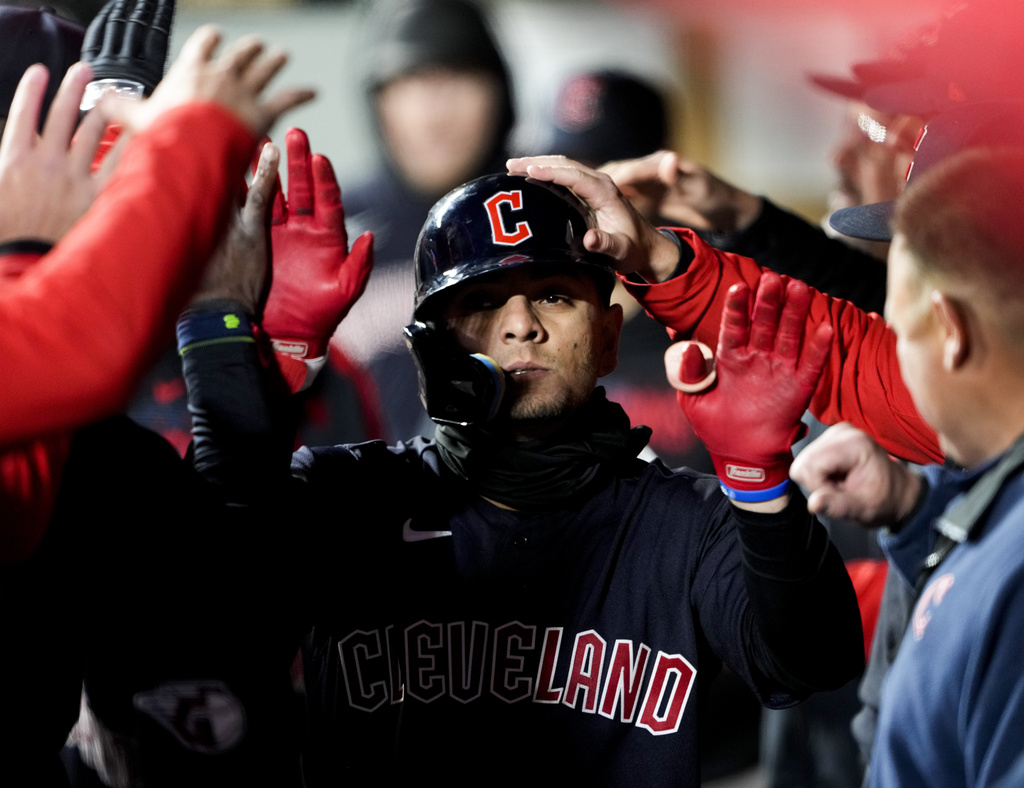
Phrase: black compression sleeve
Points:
(241, 441)
(804, 607)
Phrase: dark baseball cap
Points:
(35, 35)
(601, 116)
(980, 125)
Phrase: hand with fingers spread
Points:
(127, 42)
(46, 179)
(850, 477)
(315, 279)
(236, 80)
(750, 418)
(621, 232)
(662, 186)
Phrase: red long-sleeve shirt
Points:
(861, 383)
(79, 324)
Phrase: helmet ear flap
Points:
(455, 387)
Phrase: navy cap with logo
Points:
(981, 125)
(499, 222)
(35, 35)
(601, 116)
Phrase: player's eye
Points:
(555, 298)
(479, 301)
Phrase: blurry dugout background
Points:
(734, 71)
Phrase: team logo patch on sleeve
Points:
(515, 232)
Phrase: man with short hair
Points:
(950, 711)
(522, 598)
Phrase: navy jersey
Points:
(951, 709)
(475, 644)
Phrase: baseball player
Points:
(522, 598)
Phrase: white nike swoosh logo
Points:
(409, 535)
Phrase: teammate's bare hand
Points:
(665, 186)
(238, 269)
(45, 178)
(850, 477)
(621, 232)
(235, 79)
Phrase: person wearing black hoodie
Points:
(442, 101)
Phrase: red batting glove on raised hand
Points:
(750, 418)
(314, 278)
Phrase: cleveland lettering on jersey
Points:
(429, 661)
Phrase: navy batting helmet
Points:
(498, 222)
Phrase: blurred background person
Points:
(441, 97)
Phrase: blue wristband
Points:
(755, 496)
(203, 328)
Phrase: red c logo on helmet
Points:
(498, 232)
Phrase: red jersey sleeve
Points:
(79, 326)
(861, 383)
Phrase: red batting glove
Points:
(750, 418)
(314, 278)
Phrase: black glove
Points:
(128, 41)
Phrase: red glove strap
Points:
(300, 347)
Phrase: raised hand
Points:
(750, 417)
(46, 179)
(238, 268)
(236, 79)
(127, 41)
(663, 186)
(315, 279)
(620, 231)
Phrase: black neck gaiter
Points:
(553, 472)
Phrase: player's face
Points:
(440, 125)
(919, 344)
(550, 332)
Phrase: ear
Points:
(956, 339)
(608, 349)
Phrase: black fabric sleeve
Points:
(788, 244)
(242, 434)
(803, 603)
